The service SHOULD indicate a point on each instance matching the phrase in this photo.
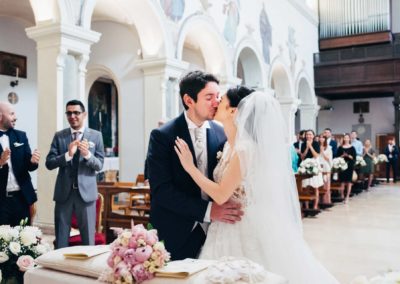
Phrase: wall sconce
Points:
(15, 82)
(361, 118)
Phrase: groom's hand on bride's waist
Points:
(229, 212)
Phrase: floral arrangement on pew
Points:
(339, 164)
(19, 246)
(309, 166)
(382, 158)
(360, 162)
(135, 256)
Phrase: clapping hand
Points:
(35, 157)
(5, 156)
(184, 154)
(73, 147)
(83, 147)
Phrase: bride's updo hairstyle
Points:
(236, 94)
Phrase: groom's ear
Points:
(187, 100)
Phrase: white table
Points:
(40, 275)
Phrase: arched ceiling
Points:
(19, 9)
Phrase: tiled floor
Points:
(361, 237)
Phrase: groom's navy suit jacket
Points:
(176, 203)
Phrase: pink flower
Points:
(132, 243)
(151, 237)
(143, 253)
(140, 273)
(120, 251)
(139, 232)
(25, 262)
(130, 257)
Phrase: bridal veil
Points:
(273, 204)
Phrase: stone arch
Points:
(248, 59)
(202, 32)
(47, 10)
(280, 79)
(304, 91)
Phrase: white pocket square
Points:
(91, 144)
(16, 144)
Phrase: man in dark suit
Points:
(179, 210)
(77, 152)
(392, 152)
(330, 141)
(16, 161)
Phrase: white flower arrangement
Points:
(360, 162)
(382, 158)
(391, 277)
(18, 247)
(309, 166)
(339, 164)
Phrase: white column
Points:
(289, 107)
(54, 43)
(226, 83)
(308, 116)
(156, 73)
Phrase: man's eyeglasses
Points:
(70, 113)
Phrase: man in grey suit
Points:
(78, 152)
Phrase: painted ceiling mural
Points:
(266, 34)
(232, 10)
(173, 9)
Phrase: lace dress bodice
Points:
(239, 195)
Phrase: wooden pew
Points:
(111, 218)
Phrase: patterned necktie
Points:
(75, 159)
(75, 135)
(199, 148)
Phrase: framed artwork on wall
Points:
(12, 65)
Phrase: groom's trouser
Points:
(192, 246)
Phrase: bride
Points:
(255, 170)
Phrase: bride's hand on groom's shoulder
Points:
(229, 212)
(184, 154)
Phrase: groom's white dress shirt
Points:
(204, 165)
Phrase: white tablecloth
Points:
(110, 163)
(41, 275)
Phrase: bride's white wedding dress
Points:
(270, 232)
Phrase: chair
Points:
(99, 237)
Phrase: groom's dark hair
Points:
(193, 82)
(236, 94)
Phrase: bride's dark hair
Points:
(236, 94)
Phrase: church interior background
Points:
(124, 58)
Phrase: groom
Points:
(180, 211)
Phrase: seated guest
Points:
(368, 155)
(325, 160)
(348, 153)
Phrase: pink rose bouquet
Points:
(135, 256)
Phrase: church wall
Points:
(14, 40)
(117, 51)
(341, 118)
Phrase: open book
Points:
(85, 252)
(183, 268)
